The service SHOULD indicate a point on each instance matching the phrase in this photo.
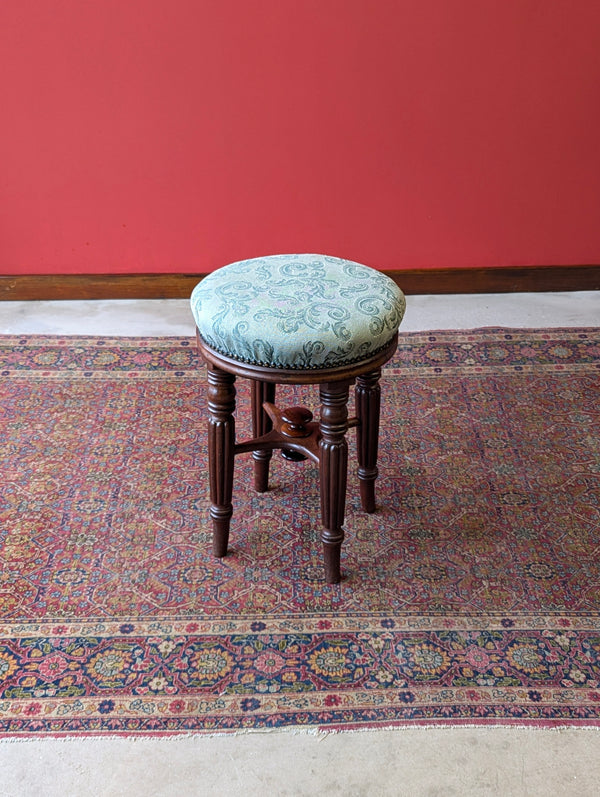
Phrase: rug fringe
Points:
(318, 733)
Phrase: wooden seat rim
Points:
(293, 376)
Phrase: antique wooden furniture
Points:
(296, 319)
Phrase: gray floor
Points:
(459, 761)
(173, 316)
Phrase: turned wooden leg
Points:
(221, 442)
(333, 467)
(368, 402)
(261, 424)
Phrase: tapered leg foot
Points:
(261, 424)
(332, 556)
(221, 443)
(368, 402)
(333, 469)
(221, 521)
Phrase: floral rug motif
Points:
(471, 596)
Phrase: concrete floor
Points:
(437, 761)
(173, 316)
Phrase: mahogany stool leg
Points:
(261, 424)
(221, 442)
(368, 402)
(333, 468)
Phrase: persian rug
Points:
(471, 596)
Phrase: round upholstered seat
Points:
(298, 312)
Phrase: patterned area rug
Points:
(472, 595)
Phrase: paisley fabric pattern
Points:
(297, 311)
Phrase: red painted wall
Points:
(178, 135)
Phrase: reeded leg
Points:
(333, 467)
(261, 424)
(368, 402)
(221, 442)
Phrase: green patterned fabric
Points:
(297, 311)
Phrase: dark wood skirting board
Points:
(25, 287)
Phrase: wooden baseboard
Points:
(26, 287)
(97, 286)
